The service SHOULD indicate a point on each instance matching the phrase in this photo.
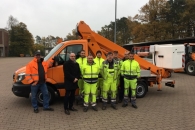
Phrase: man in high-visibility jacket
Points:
(98, 60)
(115, 56)
(121, 86)
(36, 75)
(82, 60)
(110, 70)
(131, 71)
(90, 73)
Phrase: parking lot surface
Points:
(170, 109)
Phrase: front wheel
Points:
(190, 68)
(141, 89)
(51, 94)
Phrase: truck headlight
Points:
(20, 77)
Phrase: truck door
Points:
(58, 74)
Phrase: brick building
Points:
(4, 43)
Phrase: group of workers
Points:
(96, 78)
(100, 79)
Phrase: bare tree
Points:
(11, 22)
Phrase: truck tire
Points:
(142, 89)
(190, 68)
(51, 93)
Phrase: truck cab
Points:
(55, 81)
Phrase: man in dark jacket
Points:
(71, 73)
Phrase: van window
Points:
(64, 54)
(53, 51)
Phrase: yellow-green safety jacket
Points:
(99, 61)
(106, 72)
(119, 61)
(90, 72)
(130, 69)
(81, 61)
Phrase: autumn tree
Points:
(123, 33)
(11, 22)
(153, 19)
(21, 40)
(38, 39)
(71, 36)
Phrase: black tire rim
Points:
(40, 97)
(191, 68)
(140, 90)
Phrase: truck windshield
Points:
(53, 51)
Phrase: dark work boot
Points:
(134, 106)
(133, 102)
(104, 106)
(73, 109)
(114, 106)
(85, 109)
(125, 102)
(94, 108)
(67, 112)
(119, 101)
(36, 110)
(124, 105)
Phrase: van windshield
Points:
(53, 51)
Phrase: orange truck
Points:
(90, 42)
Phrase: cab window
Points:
(65, 53)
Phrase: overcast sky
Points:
(59, 17)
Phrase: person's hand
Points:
(34, 83)
(75, 80)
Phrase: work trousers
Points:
(121, 89)
(99, 88)
(109, 85)
(69, 99)
(90, 89)
(132, 84)
(81, 89)
(44, 90)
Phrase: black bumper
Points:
(21, 90)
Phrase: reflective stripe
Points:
(113, 100)
(93, 81)
(104, 100)
(126, 97)
(133, 98)
(86, 104)
(27, 74)
(111, 72)
(93, 104)
(34, 74)
(90, 73)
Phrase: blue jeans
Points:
(44, 90)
